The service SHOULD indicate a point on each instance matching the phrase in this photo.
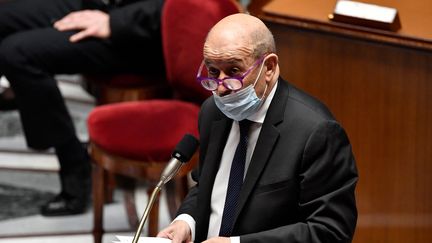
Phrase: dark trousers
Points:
(32, 52)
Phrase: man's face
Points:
(229, 60)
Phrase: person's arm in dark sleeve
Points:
(328, 177)
(136, 21)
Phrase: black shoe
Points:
(63, 204)
(7, 100)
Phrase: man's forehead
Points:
(218, 47)
(231, 61)
(234, 56)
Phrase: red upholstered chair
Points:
(135, 139)
(124, 87)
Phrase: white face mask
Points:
(242, 104)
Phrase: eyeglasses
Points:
(231, 83)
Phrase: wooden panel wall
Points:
(382, 95)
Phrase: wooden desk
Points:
(379, 86)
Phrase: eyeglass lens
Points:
(229, 83)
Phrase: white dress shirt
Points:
(221, 181)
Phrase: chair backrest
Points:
(185, 24)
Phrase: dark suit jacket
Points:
(131, 21)
(136, 21)
(301, 179)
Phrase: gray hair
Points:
(263, 42)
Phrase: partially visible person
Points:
(41, 38)
(275, 166)
(7, 99)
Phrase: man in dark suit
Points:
(298, 174)
(40, 38)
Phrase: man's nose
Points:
(221, 89)
(222, 75)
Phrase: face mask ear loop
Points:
(259, 75)
(263, 96)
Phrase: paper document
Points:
(128, 239)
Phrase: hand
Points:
(218, 240)
(92, 23)
(178, 232)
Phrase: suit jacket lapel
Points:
(217, 141)
(266, 141)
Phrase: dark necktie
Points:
(235, 180)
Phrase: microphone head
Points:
(186, 148)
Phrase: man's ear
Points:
(270, 62)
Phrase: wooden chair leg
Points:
(153, 220)
(129, 196)
(110, 186)
(98, 202)
(176, 191)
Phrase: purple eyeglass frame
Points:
(222, 81)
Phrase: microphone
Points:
(182, 153)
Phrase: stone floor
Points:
(36, 228)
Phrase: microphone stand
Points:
(164, 179)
